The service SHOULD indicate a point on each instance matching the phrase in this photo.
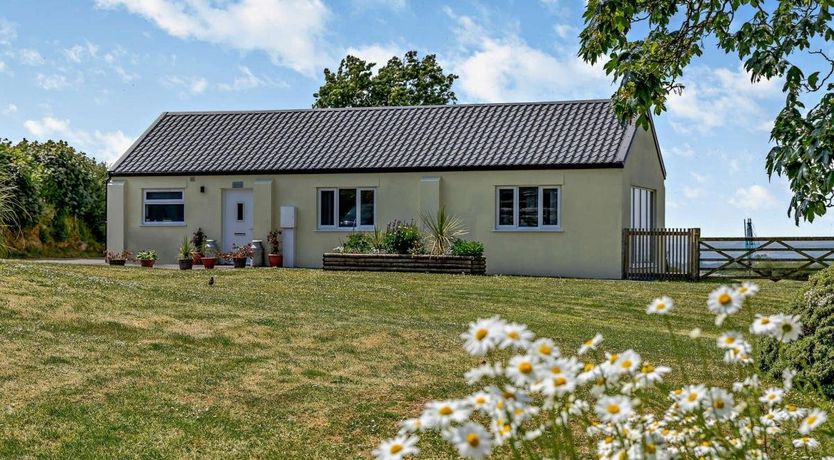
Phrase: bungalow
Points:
(547, 186)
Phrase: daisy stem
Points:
(675, 347)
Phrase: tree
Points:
(407, 81)
(649, 43)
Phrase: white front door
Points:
(237, 218)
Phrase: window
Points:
(347, 208)
(239, 212)
(528, 208)
(642, 208)
(164, 207)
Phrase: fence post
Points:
(625, 253)
(696, 253)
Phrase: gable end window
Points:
(528, 208)
(163, 207)
(346, 208)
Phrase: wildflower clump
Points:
(533, 400)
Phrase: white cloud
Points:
(720, 97)
(199, 85)
(684, 150)
(124, 75)
(248, 80)
(104, 146)
(376, 53)
(2, 66)
(495, 69)
(290, 31)
(78, 53)
(753, 198)
(30, 56)
(193, 85)
(566, 31)
(698, 177)
(693, 192)
(10, 109)
(7, 32)
(52, 82)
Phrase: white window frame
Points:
(643, 209)
(146, 202)
(336, 227)
(515, 227)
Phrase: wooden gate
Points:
(661, 253)
(772, 258)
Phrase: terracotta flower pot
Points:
(208, 262)
(276, 260)
(147, 263)
(196, 258)
(117, 262)
(185, 264)
(240, 262)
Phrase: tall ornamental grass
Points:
(539, 402)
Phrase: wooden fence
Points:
(660, 253)
(681, 253)
(772, 258)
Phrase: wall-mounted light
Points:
(202, 189)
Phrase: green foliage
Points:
(407, 81)
(403, 238)
(468, 248)
(274, 240)
(147, 254)
(813, 354)
(198, 240)
(185, 249)
(357, 243)
(785, 40)
(60, 226)
(442, 231)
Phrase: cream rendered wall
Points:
(588, 244)
(643, 169)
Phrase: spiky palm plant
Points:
(7, 214)
(442, 230)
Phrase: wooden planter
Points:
(405, 263)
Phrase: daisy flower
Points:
(590, 344)
(440, 414)
(522, 369)
(544, 348)
(486, 370)
(660, 306)
(787, 328)
(691, 397)
(397, 448)
(480, 401)
(483, 335)
(719, 402)
(627, 362)
(811, 421)
(773, 417)
(806, 442)
(558, 385)
(747, 289)
(614, 409)
(772, 396)
(411, 425)
(650, 374)
(729, 339)
(472, 441)
(724, 301)
(517, 336)
(787, 378)
(794, 411)
(763, 324)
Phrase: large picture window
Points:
(347, 208)
(528, 208)
(642, 208)
(163, 207)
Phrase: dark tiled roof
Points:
(573, 134)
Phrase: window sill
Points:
(344, 230)
(528, 230)
(164, 224)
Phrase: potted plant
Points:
(198, 244)
(209, 258)
(276, 259)
(239, 255)
(117, 257)
(184, 258)
(147, 257)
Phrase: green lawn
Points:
(129, 362)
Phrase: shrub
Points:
(185, 249)
(468, 248)
(147, 254)
(813, 354)
(198, 241)
(274, 240)
(357, 243)
(403, 238)
(533, 398)
(442, 231)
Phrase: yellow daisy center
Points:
(742, 289)
(613, 409)
(555, 370)
(692, 397)
(647, 368)
(525, 367)
(613, 358)
(396, 448)
(480, 400)
(513, 335)
(505, 428)
(791, 407)
(560, 381)
(473, 440)
(765, 320)
(718, 404)
(589, 367)
(729, 339)
(589, 342)
(660, 306)
(811, 419)
(445, 410)
(771, 396)
(626, 364)
(724, 299)
(545, 349)
(481, 333)
(650, 448)
(787, 328)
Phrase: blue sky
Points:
(97, 72)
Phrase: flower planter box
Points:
(405, 263)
